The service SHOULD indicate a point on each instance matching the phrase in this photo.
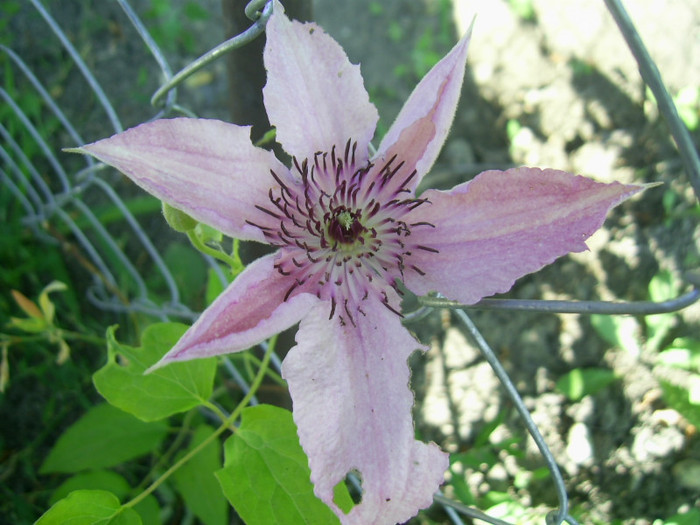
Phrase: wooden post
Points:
(246, 72)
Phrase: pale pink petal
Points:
(431, 109)
(313, 95)
(503, 225)
(249, 311)
(206, 168)
(352, 406)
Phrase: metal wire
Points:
(652, 77)
(571, 307)
(490, 356)
(87, 74)
(235, 42)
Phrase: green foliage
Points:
(582, 382)
(672, 211)
(619, 331)
(625, 332)
(171, 28)
(430, 45)
(175, 388)
(680, 400)
(662, 287)
(523, 8)
(688, 104)
(425, 55)
(581, 68)
(112, 482)
(189, 271)
(513, 127)
(683, 352)
(105, 436)
(485, 453)
(30, 103)
(178, 220)
(214, 286)
(39, 321)
(196, 483)
(691, 517)
(266, 475)
(268, 137)
(509, 510)
(376, 8)
(90, 507)
(95, 479)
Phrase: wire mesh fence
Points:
(117, 240)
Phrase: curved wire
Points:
(651, 76)
(152, 47)
(75, 56)
(490, 356)
(250, 34)
(569, 307)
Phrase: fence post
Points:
(246, 73)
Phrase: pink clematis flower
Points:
(348, 227)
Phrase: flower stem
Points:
(227, 423)
(216, 254)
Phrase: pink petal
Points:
(314, 96)
(431, 109)
(206, 168)
(249, 311)
(503, 225)
(352, 406)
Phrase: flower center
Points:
(345, 226)
(344, 231)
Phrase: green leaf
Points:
(688, 104)
(47, 307)
(694, 390)
(112, 482)
(195, 11)
(266, 475)
(196, 483)
(188, 269)
(97, 479)
(89, 507)
(683, 352)
(523, 8)
(177, 219)
(678, 398)
(208, 234)
(658, 327)
(662, 287)
(31, 325)
(508, 509)
(28, 306)
(175, 388)
(622, 332)
(582, 382)
(105, 436)
(691, 517)
(214, 286)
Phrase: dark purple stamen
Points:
(340, 226)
